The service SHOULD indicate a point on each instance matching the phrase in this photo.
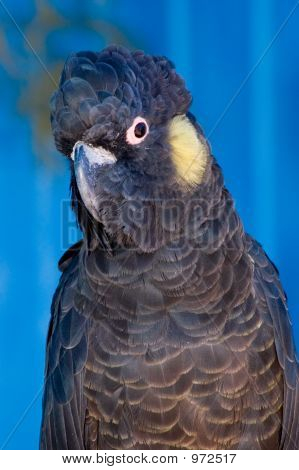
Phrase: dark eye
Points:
(140, 130)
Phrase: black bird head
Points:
(122, 119)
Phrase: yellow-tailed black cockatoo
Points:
(169, 327)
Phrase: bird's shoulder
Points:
(272, 304)
(271, 296)
(66, 356)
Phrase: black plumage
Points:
(169, 327)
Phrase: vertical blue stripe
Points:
(179, 36)
(262, 145)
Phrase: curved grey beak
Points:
(87, 160)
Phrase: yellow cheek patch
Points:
(189, 153)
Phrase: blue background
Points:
(241, 61)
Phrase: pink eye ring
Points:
(138, 131)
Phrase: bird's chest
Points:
(135, 383)
(162, 384)
(162, 374)
(147, 379)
